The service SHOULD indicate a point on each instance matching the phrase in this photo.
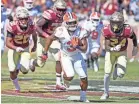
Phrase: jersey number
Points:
(114, 42)
(21, 39)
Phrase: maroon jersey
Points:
(20, 37)
(53, 21)
(120, 39)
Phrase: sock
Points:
(95, 64)
(15, 82)
(106, 83)
(82, 95)
(58, 79)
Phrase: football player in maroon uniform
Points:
(46, 25)
(17, 40)
(116, 35)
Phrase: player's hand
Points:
(116, 48)
(44, 57)
(19, 49)
(75, 42)
(134, 51)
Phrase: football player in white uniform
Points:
(94, 27)
(73, 42)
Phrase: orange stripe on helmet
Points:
(69, 16)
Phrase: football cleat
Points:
(104, 96)
(17, 91)
(60, 87)
(87, 101)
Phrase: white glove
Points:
(116, 48)
(19, 49)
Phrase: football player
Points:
(94, 27)
(73, 41)
(46, 25)
(116, 35)
(17, 40)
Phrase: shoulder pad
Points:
(106, 31)
(49, 15)
(127, 30)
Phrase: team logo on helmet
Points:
(116, 22)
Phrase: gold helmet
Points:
(60, 7)
(116, 22)
(22, 15)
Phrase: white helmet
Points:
(70, 21)
(95, 18)
(60, 7)
(28, 4)
(22, 15)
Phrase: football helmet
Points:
(95, 18)
(70, 21)
(22, 15)
(28, 4)
(60, 7)
(116, 22)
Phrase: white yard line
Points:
(32, 97)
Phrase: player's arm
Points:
(83, 45)
(49, 41)
(34, 37)
(107, 44)
(42, 21)
(9, 41)
(134, 40)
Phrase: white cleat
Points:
(83, 99)
(104, 96)
(131, 60)
(86, 101)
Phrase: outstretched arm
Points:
(42, 21)
(134, 40)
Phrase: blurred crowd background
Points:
(83, 8)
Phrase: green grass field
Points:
(34, 83)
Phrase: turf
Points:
(35, 83)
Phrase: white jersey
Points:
(94, 33)
(65, 39)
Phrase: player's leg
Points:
(13, 60)
(94, 58)
(109, 62)
(40, 48)
(81, 69)
(26, 63)
(56, 54)
(121, 65)
(68, 69)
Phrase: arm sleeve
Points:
(9, 34)
(134, 39)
